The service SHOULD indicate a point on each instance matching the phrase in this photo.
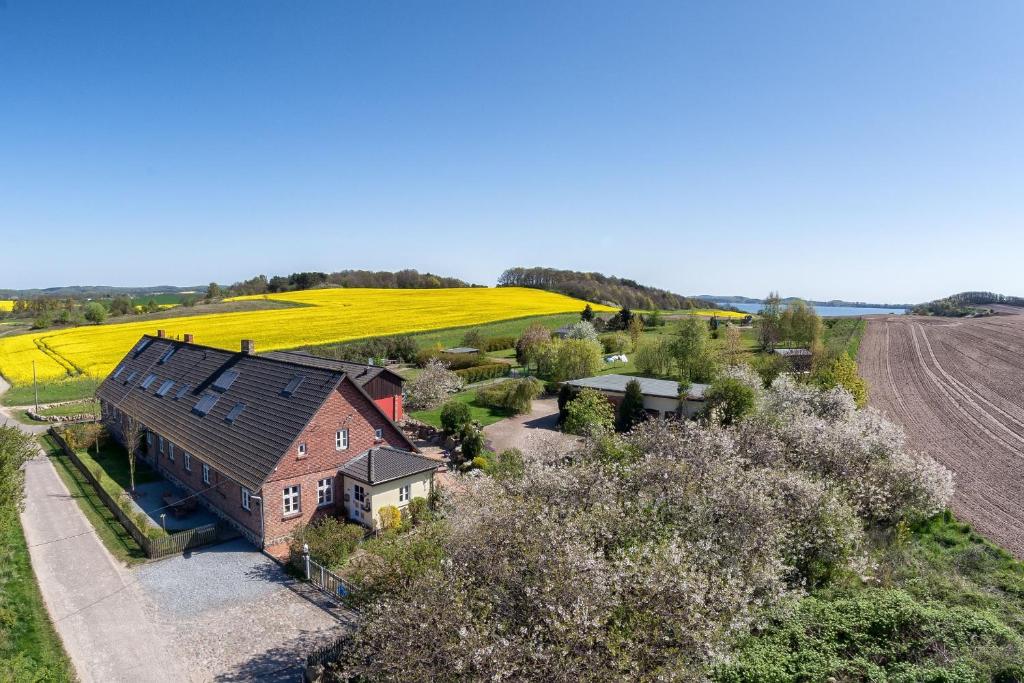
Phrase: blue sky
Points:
(870, 150)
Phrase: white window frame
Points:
(341, 440)
(404, 492)
(186, 460)
(325, 492)
(206, 473)
(291, 497)
(170, 451)
(378, 433)
(246, 494)
(358, 493)
(160, 444)
(302, 450)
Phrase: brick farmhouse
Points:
(267, 442)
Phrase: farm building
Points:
(799, 360)
(461, 350)
(263, 441)
(661, 396)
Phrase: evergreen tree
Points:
(631, 411)
(588, 314)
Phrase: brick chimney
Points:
(189, 338)
(161, 334)
(248, 346)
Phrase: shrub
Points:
(514, 395)
(390, 517)
(419, 510)
(481, 463)
(729, 400)
(615, 342)
(508, 464)
(530, 341)
(589, 412)
(472, 442)
(95, 312)
(82, 436)
(582, 330)
(631, 411)
(653, 357)
(843, 372)
(454, 417)
(473, 338)
(454, 361)
(330, 540)
(497, 344)
(484, 372)
(575, 358)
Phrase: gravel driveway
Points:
(234, 614)
(536, 429)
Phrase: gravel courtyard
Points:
(235, 615)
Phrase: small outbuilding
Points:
(461, 350)
(799, 360)
(384, 476)
(661, 396)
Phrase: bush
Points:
(390, 518)
(590, 411)
(615, 342)
(472, 442)
(497, 344)
(454, 417)
(330, 540)
(481, 463)
(484, 372)
(454, 361)
(508, 464)
(432, 386)
(514, 395)
(83, 435)
(729, 400)
(419, 510)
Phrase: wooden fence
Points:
(161, 546)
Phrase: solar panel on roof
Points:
(235, 411)
(165, 387)
(293, 385)
(167, 355)
(226, 379)
(150, 378)
(205, 404)
(182, 391)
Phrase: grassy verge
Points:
(945, 605)
(71, 409)
(30, 649)
(843, 334)
(52, 392)
(482, 414)
(110, 531)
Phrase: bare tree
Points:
(132, 430)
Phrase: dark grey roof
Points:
(246, 449)
(360, 373)
(793, 352)
(383, 464)
(461, 349)
(666, 388)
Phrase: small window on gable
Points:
(341, 440)
(378, 433)
(226, 379)
(165, 387)
(167, 354)
(182, 391)
(205, 404)
(293, 385)
(150, 378)
(235, 411)
(302, 450)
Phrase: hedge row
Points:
(491, 344)
(482, 372)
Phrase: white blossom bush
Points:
(432, 386)
(583, 329)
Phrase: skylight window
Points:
(130, 377)
(165, 387)
(226, 379)
(293, 385)
(117, 372)
(205, 404)
(150, 378)
(167, 354)
(142, 345)
(235, 411)
(182, 391)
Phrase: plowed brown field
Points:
(957, 387)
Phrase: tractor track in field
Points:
(958, 390)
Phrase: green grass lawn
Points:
(844, 334)
(113, 460)
(481, 414)
(110, 531)
(30, 649)
(51, 392)
(505, 328)
(71, 409)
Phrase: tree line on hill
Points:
(598, 287)
(408, 278)
(965, 303)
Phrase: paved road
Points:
(95, 605)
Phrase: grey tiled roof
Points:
(793, 352)
(248, 448)
(383, 464)
(361, 373)
(461, 349)
(666, 388)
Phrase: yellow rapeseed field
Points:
(323, 316)
(6, 305)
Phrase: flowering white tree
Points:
(433, 385)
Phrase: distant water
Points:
(828, 311)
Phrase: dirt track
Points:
(957, 386)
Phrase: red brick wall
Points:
(346, 408)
